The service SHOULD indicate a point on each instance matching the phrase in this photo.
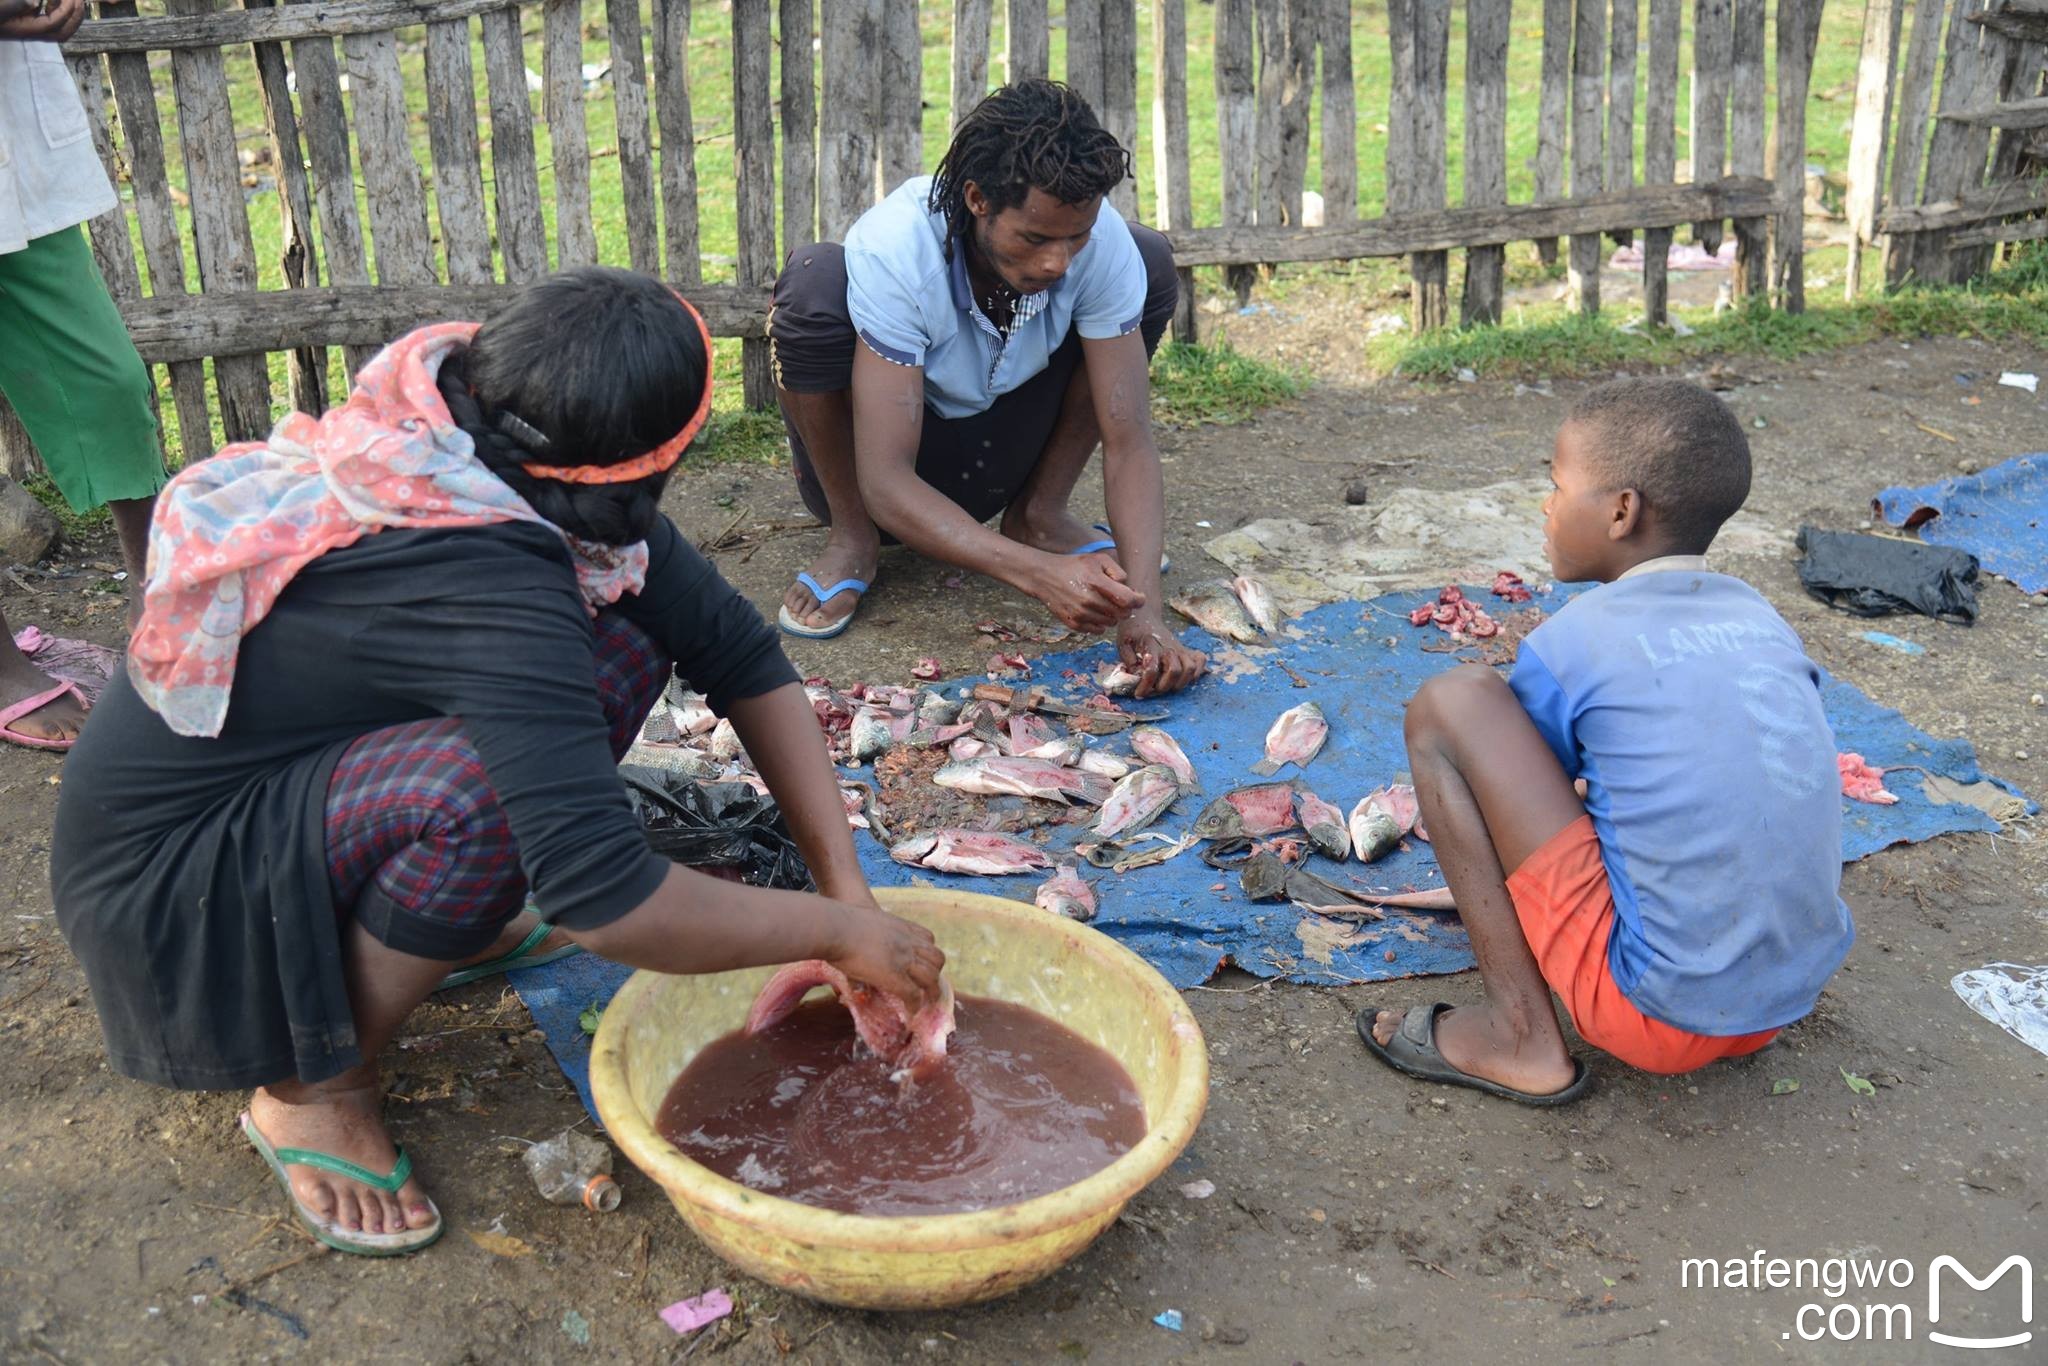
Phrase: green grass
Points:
(73, 525)
(1192, 385)
(2008, 304)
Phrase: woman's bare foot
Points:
(844, 557)
(342, 1118)
(1055, 530)
(58, 719)
(513, 935)
(1475, 1042)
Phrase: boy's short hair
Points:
(1673, 442)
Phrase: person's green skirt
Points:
(72, 375)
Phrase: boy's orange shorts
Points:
(1566, 907)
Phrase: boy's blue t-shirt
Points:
(1691, 710)
(911, 304)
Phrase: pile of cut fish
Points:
(1097, 762)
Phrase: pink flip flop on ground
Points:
(32, 703)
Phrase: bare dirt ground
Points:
(1356, 1216)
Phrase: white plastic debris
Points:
(2013, 997)
(1199, 1190)
(2020, 379)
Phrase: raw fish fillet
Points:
(1862, 781)
(1155, 746)
(1325, 826)
(1266, 809)
(970, 852)
(1138, 799)
(1294, 738)
(911, 1045)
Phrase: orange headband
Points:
(661, 457)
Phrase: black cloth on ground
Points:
(1873, 576)
(190, 874)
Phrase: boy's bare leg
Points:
(1491, 794)
(853, 546)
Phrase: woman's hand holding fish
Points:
(1163, 663)
(888, 953)
(1086, 592)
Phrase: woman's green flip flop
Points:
(521, 957)
(357, 1241)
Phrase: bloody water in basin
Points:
(1022, 1106)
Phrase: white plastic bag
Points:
(2013, 997)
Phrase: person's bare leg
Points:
(131, 524)
(1039, 515)
(20, 678)
(515, 931)
(344, 1115)
(853, 546)
(1491, 794)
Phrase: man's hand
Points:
(36, 23)
(889, 954)
(1086, 592)
(1162, 662)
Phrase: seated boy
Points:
(1646, 819)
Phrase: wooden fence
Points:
(334, 78)
(1942, 193)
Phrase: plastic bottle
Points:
(574, 1169)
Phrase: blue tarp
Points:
(2000, 516)
(1361, 662)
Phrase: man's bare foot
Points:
(59, 719)
(1056, 531)
(342, 1118)
(844, 557)
(1475, 1042)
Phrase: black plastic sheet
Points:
(1872, 576)
(716, 826)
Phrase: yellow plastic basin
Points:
(1002, 949)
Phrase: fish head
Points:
(1219, 820)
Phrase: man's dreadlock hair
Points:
(1033, 133)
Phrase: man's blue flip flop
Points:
(823, 594)
(1109, 543)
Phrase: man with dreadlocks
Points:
(962, 354)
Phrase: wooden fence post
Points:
(1235, 128)
(1429, 272)
(1084, 50)
(1746, 140)
(1909, 143)
(1798, 31)
(1621, 104)
(305, 366)
(1552, 101)
(754, 178)
(1028, 41)
(902, 96)
(220, 219)
(1173, 198)
(1712, 54)
(799, 129)
(515, 175)
(636, 145)
(1340, 117)
(1660, 156)
(1589, 51)
(1119, 107)
(848, 114)
(1486, 149)
(1876, 69)
(457, 150)
(561, 60)
(972, 20)
(1971, 75)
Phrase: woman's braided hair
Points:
(1031, 134)
(587, 367)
